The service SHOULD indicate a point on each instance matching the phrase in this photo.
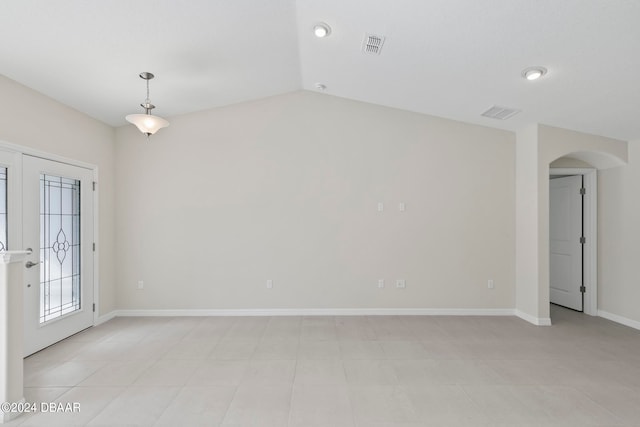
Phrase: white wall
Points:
(30, 119)
(286, 188)
(618, 234)
(526, 262)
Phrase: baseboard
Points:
(538, 321)
(322, 312)
(105, 318)
(619, 319)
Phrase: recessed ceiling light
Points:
(534, 73)
(321, 30)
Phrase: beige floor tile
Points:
(370, 372)
(361, 350)
(439, 405)
(382, 404)
(566, 405)
(104, 350)
(404, 349)
(36, 395)
(517, 372)
(44, 394)
(233, 349)
(166, 373)
(61, 352)
(247, 328)
(623, 402)
(89, 400)
(276, 349)
(445, 372)
(502, 404)
(270, 372)
(207, 331)
(390, 424)
(190, 349)
(396, 371)
(118, 373)
(219, 373)
(318, 332)
(146, 350)
(391, 329)
(320, 372)
(65, 374)
(314, 350)
(446, 349)
(259, 406)
(320, 406)
(136, 406)
(354, 328)
(197, 406)
(283, 328)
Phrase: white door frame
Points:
(14, 193)
(590, 225)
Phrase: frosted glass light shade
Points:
(147, 123)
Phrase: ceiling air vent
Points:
(372, 44)
(500, 113)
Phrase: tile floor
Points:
(341, 372)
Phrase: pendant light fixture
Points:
(147, 123)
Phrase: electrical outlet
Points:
(380, 206)
(402, 207)
(269, 284)
(401, 284)
(380, 283)
(140, 284)
(490, 284)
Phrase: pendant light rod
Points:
(148, 106)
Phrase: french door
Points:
(57, 224)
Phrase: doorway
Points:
(572, 238)
(566, 239)
(58, 225)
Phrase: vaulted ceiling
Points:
(449, 58)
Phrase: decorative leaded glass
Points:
(3, 209)
(59, 246)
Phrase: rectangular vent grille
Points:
(372, 44)
(500, 113)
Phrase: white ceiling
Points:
(449, 58)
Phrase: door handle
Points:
(30, 264)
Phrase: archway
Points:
(573, 247)
(537, 147)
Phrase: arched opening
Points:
(537, 147)
(572, 232)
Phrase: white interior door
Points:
(57, 208)
(565, 233)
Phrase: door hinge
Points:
(583, 289)
(94, 186)
(583, 240)
(94, 307)
(94, 247)
(583, 191)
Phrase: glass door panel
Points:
(60, 246)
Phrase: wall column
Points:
(11, 331)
